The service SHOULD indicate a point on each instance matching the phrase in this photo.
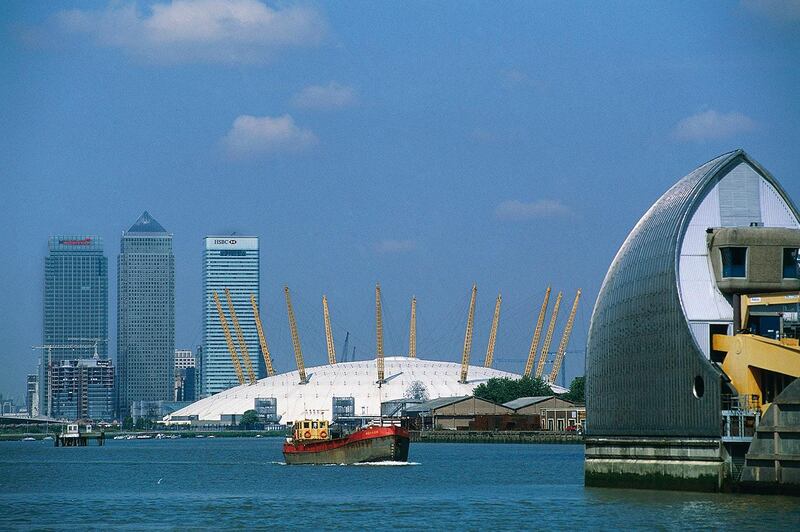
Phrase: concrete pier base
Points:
(693, 464)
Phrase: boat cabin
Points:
(311, 429)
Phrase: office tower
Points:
(84, 389)
(145, 315)
(185, 375)
(32, 394)
(75, 306)
(230, 262)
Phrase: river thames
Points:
(222, 483)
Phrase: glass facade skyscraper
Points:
(230, 262)
(75, 307)
(145, 315)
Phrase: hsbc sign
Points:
(239, 242)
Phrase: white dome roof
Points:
(345, 379)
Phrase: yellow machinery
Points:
(468, 336)
(240, 337)
(231, 347)
(537, 333)
(562, 346)
(759, 367)
(548, 337)
(261, 338)
(298, 351)
(487, 363)
(328, 333)
(379, 334)
(311, 429)
(412, 330)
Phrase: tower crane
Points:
(240, 337)
(94, 341)
(468, 336)
(549, 337)
(261, 338)
(487, 363)
(537, 333)
(49, 369)
(298, 351)
(231, 347)
(328, 333)
(379, 334)
(412, 330)
(562, 346)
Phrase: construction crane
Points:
(562, 346)
(537, 334)
(248, 364)
(379, 333)
(344, 348)
(231, 347)
(549, 337)
(412, 330)
(95, 341)
(487, 363)
(298, 351)
(49, 369)
(261, 338)
(468, 336)
(328, 333)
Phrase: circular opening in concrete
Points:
(699, 387)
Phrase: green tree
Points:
(127, 423)
(502, 390)
(249, 418)
(576, 391)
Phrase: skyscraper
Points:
(145, 315)
(75, 305)
(230, 262)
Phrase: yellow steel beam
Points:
(468, 336)
(562, 346)
(748, 301)
(261, 337)
(240, 337)
(298, 351)
(487, 363)
(328, 333)
(412, 330)
(379, 333)
(548, 337)
(537, 333)
(231, 347)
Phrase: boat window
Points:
(306, 425)
(314, 425)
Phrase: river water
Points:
(226, 482)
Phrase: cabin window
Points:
(306, 425)
(314, 425)
(734, 262)
(791, 263)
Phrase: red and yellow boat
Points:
(312, 443)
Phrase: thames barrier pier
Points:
(693, 341)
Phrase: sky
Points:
(422, 145)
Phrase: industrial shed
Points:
(454, 413)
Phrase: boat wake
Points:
(386, 463)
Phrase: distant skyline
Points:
(425, 146)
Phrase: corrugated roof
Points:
(433, 404)
(522, 402)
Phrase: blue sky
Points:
(422, 145)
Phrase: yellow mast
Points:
(468, 336)
(379, 333)
(412, 333)
(240, 337)
(298, 351)
(537, 334)
(487, 363)
(562, 347)
(229, 340)
(328, 333)
(549, 337)
(261, 338)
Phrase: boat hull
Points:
(371, 444)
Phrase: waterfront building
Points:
(145, 315)
(678, 369)
(75, 304)
(32, 394)
(230, 262)
(83, 389)
(185, 372)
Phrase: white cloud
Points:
(395, 246)
(253, 136)
(782, 11)
(218, 31)
(515, 210)
(712, 125)
(330, 96)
